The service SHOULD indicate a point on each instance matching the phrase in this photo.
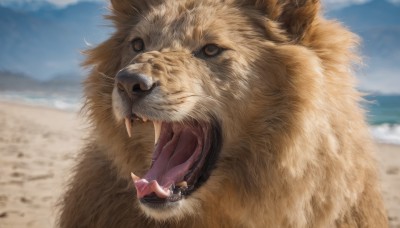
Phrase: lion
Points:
(224, 113)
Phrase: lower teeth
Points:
(182, 184)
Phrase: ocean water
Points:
(67, 102)
(384, 118)
(383, 111)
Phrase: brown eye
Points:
(137, 44)
(211, 50)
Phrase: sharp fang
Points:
(144, 119)
(128, 125)
(134, 177)
(182, 184)
(157, 131)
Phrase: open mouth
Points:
(183, 158)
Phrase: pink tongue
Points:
(174, 158)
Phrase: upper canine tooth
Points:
(128, 125)
(144, 119)
(157, 131)
(134, 177)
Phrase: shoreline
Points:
(40, 102)
(39, 146)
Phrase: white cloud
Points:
(68, 2)
(335, 4)
(328, 4)
(60, 3)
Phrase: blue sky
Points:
(60, 3)
(328, 3)
(374, 81)
(342, 3)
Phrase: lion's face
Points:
(189, 69)
(195, 64)
(198, 77)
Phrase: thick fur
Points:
(296, 148)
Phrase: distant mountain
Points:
(62, 84)
(16, 82)
(376, 13)
(48, 41)
(378, 24)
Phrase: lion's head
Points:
(199, 86)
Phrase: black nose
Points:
(134, 84)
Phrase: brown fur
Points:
(296, 149)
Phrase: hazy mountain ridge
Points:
(376, 13)
(18, 82)
(378, 24)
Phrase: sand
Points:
(38, 147)
(389, 160)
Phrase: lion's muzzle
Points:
(185, 148)
(133, 85)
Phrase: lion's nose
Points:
(134, 84)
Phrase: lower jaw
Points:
(160, 204)
(167, 207)
(169, 210)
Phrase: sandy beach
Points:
(38, 147)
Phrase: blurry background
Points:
(40, 44)
(40, 76)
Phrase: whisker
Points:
(106, 76)
(107, 85)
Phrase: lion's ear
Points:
(296, 16)
(122, 6)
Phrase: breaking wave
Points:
(386, 133)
